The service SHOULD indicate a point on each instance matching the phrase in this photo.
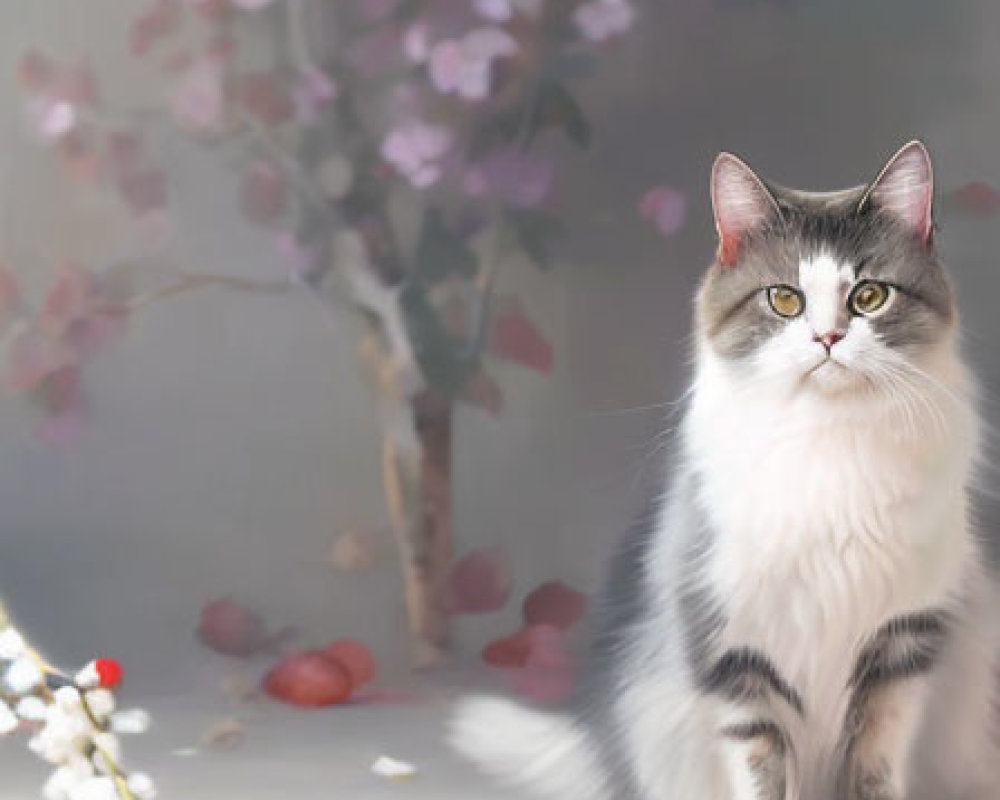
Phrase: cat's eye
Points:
(786, 301)
(869, 297)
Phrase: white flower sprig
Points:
(74, 722)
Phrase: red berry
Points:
(109, 672)
(355, 657)
(308, 679)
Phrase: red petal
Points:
(554, 603)
(510, 652)
(514, 337)
(478, 583)
(355, 657)
(547, 675)
(308, 679)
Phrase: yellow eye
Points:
(786, 301)
(869, 297)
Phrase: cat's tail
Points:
(548, 754)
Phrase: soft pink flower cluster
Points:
(601, 19)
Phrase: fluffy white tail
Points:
(546, 753)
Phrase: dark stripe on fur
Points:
(755, 729)
(744, 674)
(902, 648)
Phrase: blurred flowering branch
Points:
(390, 150)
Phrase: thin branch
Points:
(192, 281)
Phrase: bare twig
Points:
(191, 281)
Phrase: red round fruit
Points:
(355, 657)
(556, 604)
(109, 672)
(309, 679)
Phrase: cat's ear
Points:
(905, 189)
(741, 202)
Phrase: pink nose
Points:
(829, 339)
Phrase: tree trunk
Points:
(418, 494)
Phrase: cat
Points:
(805, 612)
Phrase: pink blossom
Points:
(666, 208)
(415, 149)
(68, 298)
(31, 356)
(504, 10)
(416, 43)
(251, 5)
(313, 92)
(376, 10)
(520, 178)
(60, 430)
(197, 98)
(159, 19)
(298, 260)
(599, 20)
(51, 118)
(464, 66)
(262, 95)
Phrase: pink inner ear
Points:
(906, 189)
(741, 204)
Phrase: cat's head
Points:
(826, 292)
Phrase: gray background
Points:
(231, 437)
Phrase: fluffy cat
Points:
(805, 613)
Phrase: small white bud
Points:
(23, 675)
(31, 708)
(88, 677)
(8, 719)
(101, 702)
(142, 786)
(60, 783)
(131, 720)
(107, 745)
(11, 644)
(101, 788)
(67, 698)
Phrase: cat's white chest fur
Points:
(825, 523)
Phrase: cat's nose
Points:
(829, 339)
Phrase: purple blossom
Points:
(504, 10)
(297, 258)
(198, 97)
(312, 93)
(251, 5)
(599, 20)
(464, 66)
(666, 208)
(415, 149)
(51, 118)
(522, 179)
(416, 43)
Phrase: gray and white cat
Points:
(806, 613)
